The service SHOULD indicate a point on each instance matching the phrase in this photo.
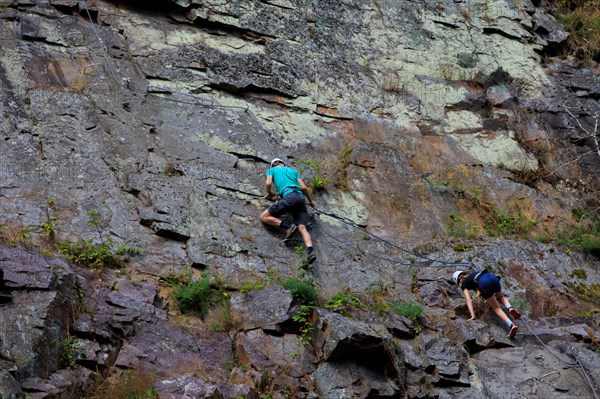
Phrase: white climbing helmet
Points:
(456, 275)
(275, 160)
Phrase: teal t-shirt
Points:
(284, 177)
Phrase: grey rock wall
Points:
(164, 116)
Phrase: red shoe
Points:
(513, 330)
(514, 313)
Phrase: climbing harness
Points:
(478, 275)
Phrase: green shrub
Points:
(133, 251)
(462, 247)
(49, 227)
(511, 220)
(174, 280)
(312, 175)
(588, 292)
(588, 242)
(302, 317)
(251, 285)
(377, 293)
(301, 290)
(501, 224)
(579, 273)
(93, 254)
(196, 296)
(69, 352)
(342, 301)
(408, 309)
(586, 237)
(89, 254)
(459, 228)
(521, 304)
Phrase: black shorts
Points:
(293, 203)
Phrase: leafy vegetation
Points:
(312, 174)
(588, 292)
(302, 317)
(521, 304)
(513, 220)
(90, 254)
(458, 227)
(93, 254)
(196, 296)
(301, 290)
(175, 280)
(585, 236)
(315, 178)
(69, 352)
(303, 255)
(251, 285)
(503, 223)
(579, 273)
(498, 222)
(377, 297)
(343, 301)
(408, 309)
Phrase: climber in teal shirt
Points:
(285, 179)
(293, 194)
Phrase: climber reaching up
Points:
(487, 285)
(293, 193)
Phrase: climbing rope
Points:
(104, 49)
(354, 225)
(523, 319)
(577, 362)
(345, 243)
(585, 374)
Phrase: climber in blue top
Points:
(293, 193)
(487, 284)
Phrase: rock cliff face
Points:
(438, 135)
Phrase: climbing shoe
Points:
(310, 256)
(513, 330)
(514, 313)
(289, 232)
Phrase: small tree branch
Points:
(593, 134)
